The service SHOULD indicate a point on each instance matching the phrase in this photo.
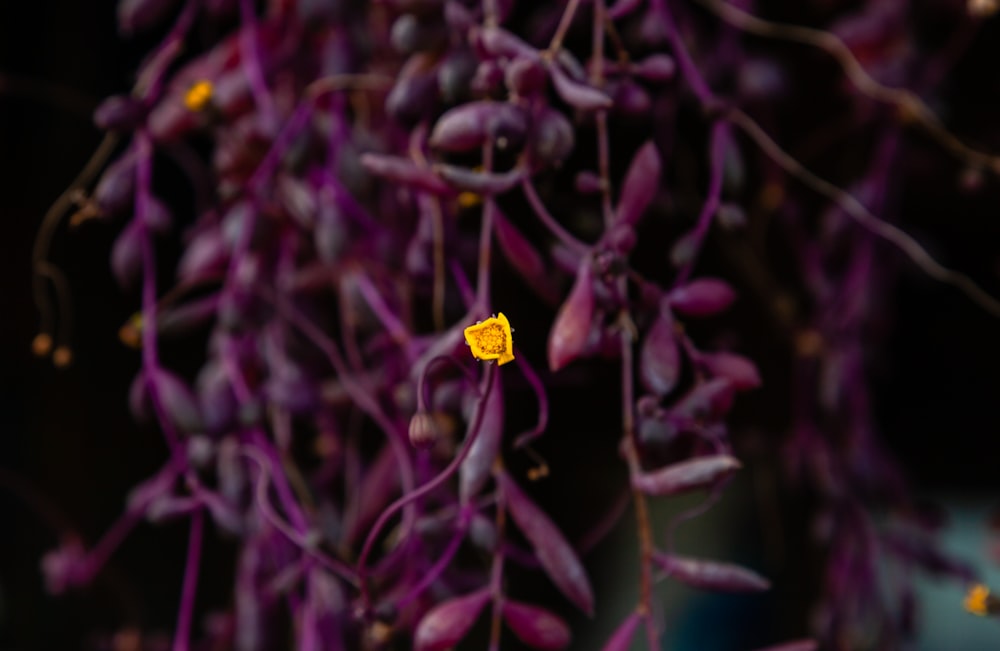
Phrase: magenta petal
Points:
(687, 476)
(446, 624)
(535, 626)
(712, 575)
(555, 555)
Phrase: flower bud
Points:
(423, 430)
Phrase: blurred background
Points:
(69, 451)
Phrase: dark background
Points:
(69, 451)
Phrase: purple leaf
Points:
(687, 475)
(552, 137)
(498, 42)
(740, 371)
(706, 400)
(205, 256)
(525, 76)
(485, 183)
(621, 639)
(554, 554)
(126, 255)
(535, 626)
(640, 185)
(446, 624)
(404, 172)
(579, 96)
(115, 189)
(119, 113)
(177, 401)
(469, 126)
(475, 469)
(660, 361)
(656, 68)
(523, 257)
(711, 575)
(702, 297)
(571, 329)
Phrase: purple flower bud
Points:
(475, 470)
(710, 575)
(552, 138)
(571, 329)
(621, 639)
(579, 96)
(660, 361)
(115, 190)
(139, 15)
(702, 297)
(554, 554)
(485, 183)
(423, 430)
(204, 257)
(446, 624)
(405, 172)
(641, 184)
(739, 370)
(525, 76)
(535, 626)
(119, 113)
(126, 255)
(686, 476)
(657, 68)
(177, 401)
(471, 125)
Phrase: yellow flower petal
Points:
(975, 601)
(199, 95)
(491, 340)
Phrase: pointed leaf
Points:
(702, 297)
(641, 183)
(402, 171)
(660, 361)
(446, 624)
(740, 371)
(712, 575)
(687, 475)
(554, 554)
(571, 329)
(579, 96)
(177, 401)
(535, 626)
(126, 255)
(475, 469)
(621, 639)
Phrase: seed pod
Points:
(571, 329)
(621, 639)
(446, 624)
(119, 113)
(126, 255)
(577, 95)
(535, 626)
(423, 431)
(710, 575)
(554, 554)
(740, 371)
(660, 361)
(702, 297)
(641, 183)
(687, 476)
(405, 172)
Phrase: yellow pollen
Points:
(198, 95)
(491, 339)
(469, 199)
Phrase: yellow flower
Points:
(491, 339)
(198, 95)
(976, 600)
